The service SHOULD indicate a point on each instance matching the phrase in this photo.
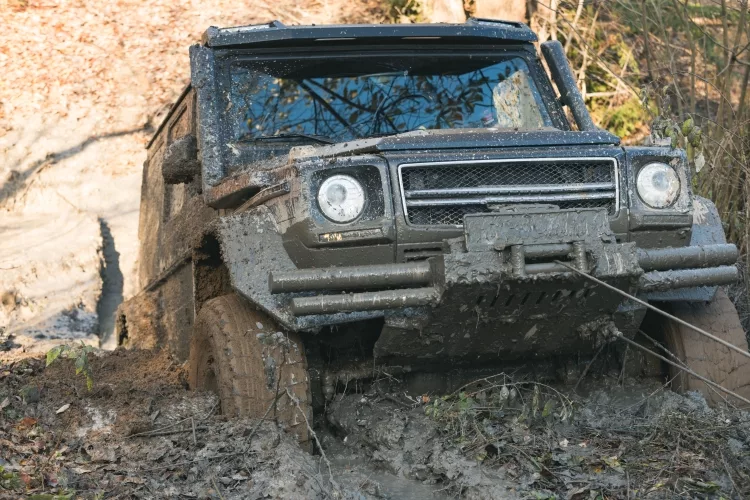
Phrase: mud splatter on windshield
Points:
(339, 99)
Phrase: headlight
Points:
(341, 198)
(658, 185)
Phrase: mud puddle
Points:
(361, 473)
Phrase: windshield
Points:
(341, 99)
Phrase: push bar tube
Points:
(664, 259)
(352, 278)
(656, 281)
(554, 54)
(368, 301)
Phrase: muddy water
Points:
(386, 485)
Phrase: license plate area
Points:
(486, 232)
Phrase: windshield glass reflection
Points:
(315, 100)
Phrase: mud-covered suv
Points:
(408, 199)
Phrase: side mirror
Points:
(181, 162)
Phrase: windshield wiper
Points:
(285, 137)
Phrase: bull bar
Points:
(389, 286)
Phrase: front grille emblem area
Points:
(441, 193)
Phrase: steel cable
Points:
(618, 334)
(656, 309)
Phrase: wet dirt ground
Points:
(139, 433)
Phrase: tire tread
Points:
(705, 356)
(229, 327)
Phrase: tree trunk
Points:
(444, 11)
(506, 10)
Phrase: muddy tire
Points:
(705, 356)
(240, 354)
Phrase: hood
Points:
(469, 139)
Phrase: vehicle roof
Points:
(276, 34)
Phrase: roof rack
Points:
(276, 34)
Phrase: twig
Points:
(541, 467)
(263, 418)
(627, 478)
(154, 431)
(391, 398)
(188, 462)
(588, 366)
(218, 491)
(729, 475)
(294, 399)
(621, 379)
(178, 431)
(195, 439)
(77, 209)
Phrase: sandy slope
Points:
(82, 86)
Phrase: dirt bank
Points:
(82, 87)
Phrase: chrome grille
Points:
(442, 193)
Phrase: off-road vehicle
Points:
(326, 202)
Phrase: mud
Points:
(139, 433)
(638, 440)
(112, 287)
(408, 445)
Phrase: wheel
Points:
(240, 354)
(705, 356)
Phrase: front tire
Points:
(240, 354)
(705, 356)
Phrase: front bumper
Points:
(373, 286)
(504, 271)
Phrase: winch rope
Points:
(656, 309)
(618, 334)
(664, 349)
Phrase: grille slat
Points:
(532, 188)
(442, 193)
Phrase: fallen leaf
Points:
(63, 408)
(613, 463)
(5, 403)
(26, 423)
